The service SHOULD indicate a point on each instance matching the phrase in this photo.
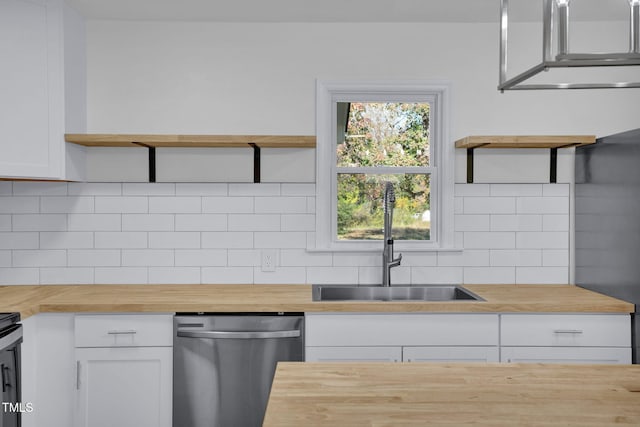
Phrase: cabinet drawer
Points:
(401, 329)
(450, 354)
(353, 354)
(124, 330)
(566, 330)
(570, 355)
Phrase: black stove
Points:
(10, 339)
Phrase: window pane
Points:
(382, 134)
(361, 212)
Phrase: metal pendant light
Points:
(556, 18)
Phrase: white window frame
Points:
(441, 167)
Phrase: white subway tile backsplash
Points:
(331, 275)
(436, 275)
(260, 190)
(555, 223)
(243, 257)
(516, 190)
(348, 259)
(174, 239)
(555, 258)
(542, 240)
(287, 275)
(174, 275)
(490, 205)
(39, 222)
(251, 222)
(201, 189)
(20, 240)
(31, 188)
(298, 189)
(489, 275)
(283, 240)
(196, 232)
(5, 258)
(201, 222)
(175, 204)
(227, 275)
(67, 204)
(516, 257)
(66, 275)
(148, 257)
(6, 188)
(489, 240)
(227, 205)
(121, 275)
(413, 259)
(472, 190)
(148, 189)
(543, 205)
(468, 257)
(39, 258)
(95, 189)
(201, 257)
(281, 205)
(298, 222)
(303, 258)
(93, 258)
(19, 276)
(472, 222)
(19, 205)
(555, 190)
(121, 204)
(148, 222)
(542, 275)
(120, 239)
(66, 240)
(5, 222)
(224, 239)
(95, 222)
(516, 223)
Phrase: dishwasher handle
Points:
(246, 335)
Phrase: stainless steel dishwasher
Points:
(223, 365)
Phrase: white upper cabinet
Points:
(32, 86)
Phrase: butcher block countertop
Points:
(428, 394)
(29, 300)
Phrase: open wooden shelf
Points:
(552, 142)
(161, 141)
(525, 141)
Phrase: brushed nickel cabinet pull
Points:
(77, 375)
(568, 331)
(123, 332)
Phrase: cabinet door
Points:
(124, 387)
(353, 354)
(607, 355)
(450, 354)
(31, 84)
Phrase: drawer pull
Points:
(124, 332)
(568, 331)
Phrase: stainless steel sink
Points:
(392, 293)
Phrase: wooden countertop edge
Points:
(232, 298)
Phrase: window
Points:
(370, 133)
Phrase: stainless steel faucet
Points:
(388, 261)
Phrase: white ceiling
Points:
(337, 10)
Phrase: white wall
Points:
(217, 78)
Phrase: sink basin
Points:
(392, 293)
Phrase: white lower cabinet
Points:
(402, 337)
(565, 338)
(124, 370)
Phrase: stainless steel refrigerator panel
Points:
(224, 366)
(607, 220)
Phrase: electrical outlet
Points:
(269, 260)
